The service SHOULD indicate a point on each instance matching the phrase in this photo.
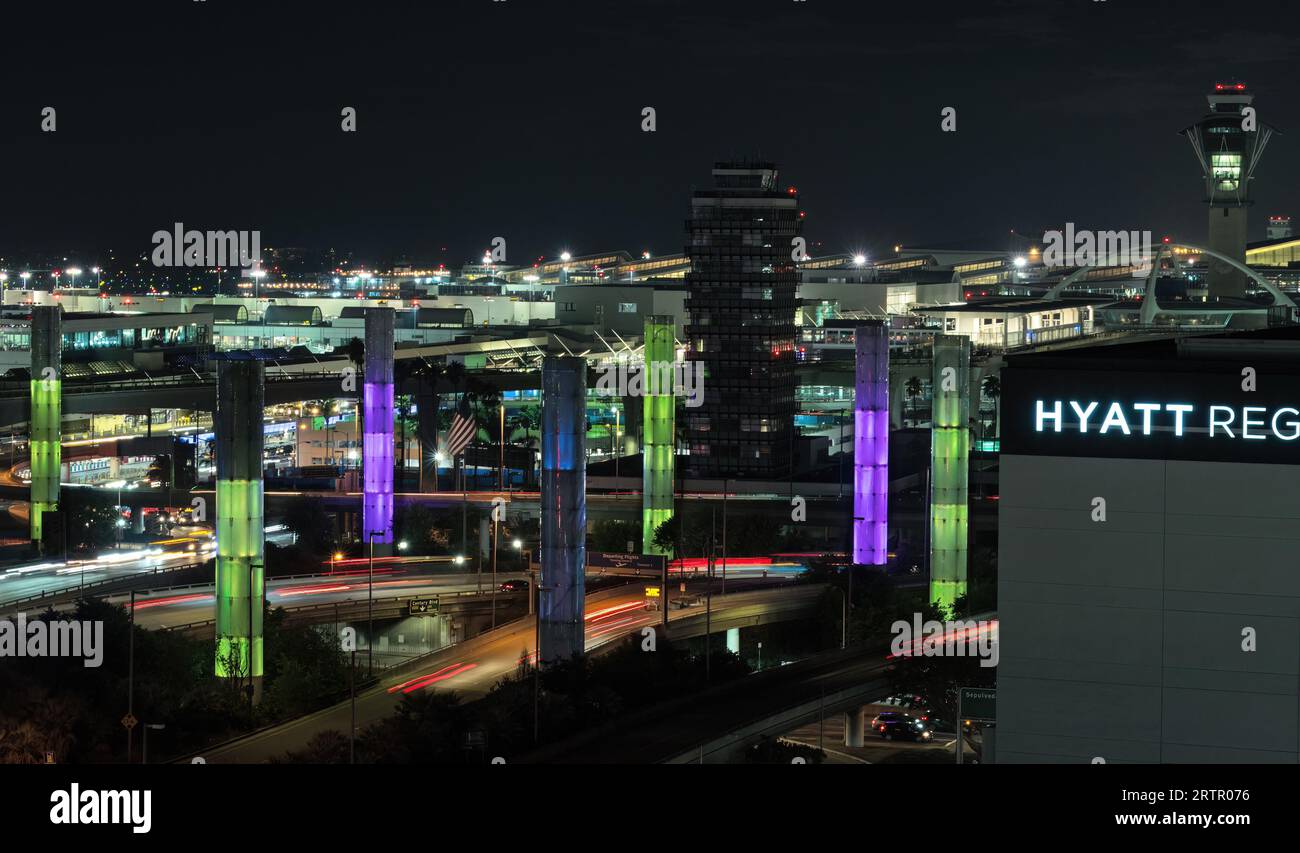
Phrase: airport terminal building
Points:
(1149, 577)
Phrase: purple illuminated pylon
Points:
(871, 445)
(377, 423)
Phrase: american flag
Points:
(463, 429)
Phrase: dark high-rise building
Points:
(741, 239)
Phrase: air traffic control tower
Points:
(1229, 142)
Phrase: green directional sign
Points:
(979, 704)
(427, 606)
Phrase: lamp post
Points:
(370, 607)
(614, 446)
(496, 535)
(501, 464)
(130, 680)
(334, 558)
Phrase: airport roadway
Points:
(52, 576)
(472, 667)
(176, 607)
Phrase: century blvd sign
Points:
(1178, 419)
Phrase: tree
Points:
(403, 414)
(614, 534)
(91, 519)
(666, 536)
(992, 387)
(312, 527)
(355, 349)
(912, 388)
(159, 473)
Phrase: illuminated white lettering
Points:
(1146, 409)
(1179, 409)
(1083, 414)
(1215, 422)
(1041, 416)
(1247, 423)
(1294, 425)
(1114, 417)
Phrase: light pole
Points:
(501, 464)
(130, 680)
(370, 607)
(496, 534)
(144, 758)
(614, 446)
(537, 663)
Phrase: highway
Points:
(51, 576)
(175, 607)
(472, 667)
(714, 725)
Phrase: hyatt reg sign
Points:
(1217, 421)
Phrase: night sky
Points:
(522, 119)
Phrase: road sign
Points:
(652, 592)
(418, 606)
(129, 721)
(979, 703)
(637, 563)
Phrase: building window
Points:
(627, 307)
(1225, 169)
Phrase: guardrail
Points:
(388, 603)
(72, 590)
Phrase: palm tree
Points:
(912, 388)
(992, 387)
(529, 418)
(403, 407)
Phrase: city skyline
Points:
(534, 132)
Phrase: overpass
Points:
(472, 667)
(720, 724)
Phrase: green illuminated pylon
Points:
(46, 413)
(240, 585)
(659, 444)
(949, 452)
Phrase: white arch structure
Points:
(1149, 306)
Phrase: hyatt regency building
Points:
(1149, 565)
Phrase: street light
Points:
(370, 607)
(458, 560)
(401, 546)
(614, 445)
(258, 274)
(859, 260)
(335, 557)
